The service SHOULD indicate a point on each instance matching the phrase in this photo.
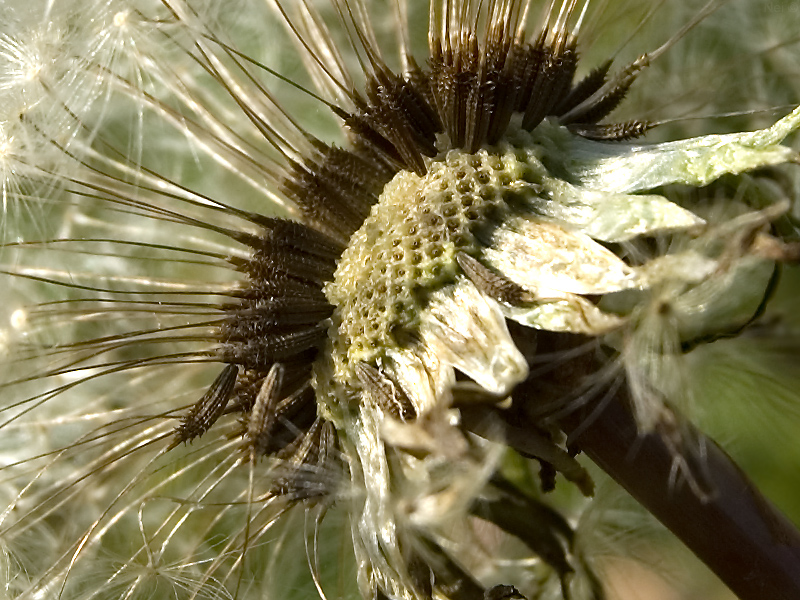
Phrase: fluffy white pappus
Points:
(54, 67)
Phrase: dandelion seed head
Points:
(389, 269)
(24, 62)
(371, 354)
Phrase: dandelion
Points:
(408, 333)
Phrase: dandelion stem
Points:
(751, 546)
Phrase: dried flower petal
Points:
(539, 255)
(625, 168)
(467, 330)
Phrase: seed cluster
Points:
(432, 159)
(392, 264)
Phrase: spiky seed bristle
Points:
(209, 408)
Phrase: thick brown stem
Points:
(732, 528)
